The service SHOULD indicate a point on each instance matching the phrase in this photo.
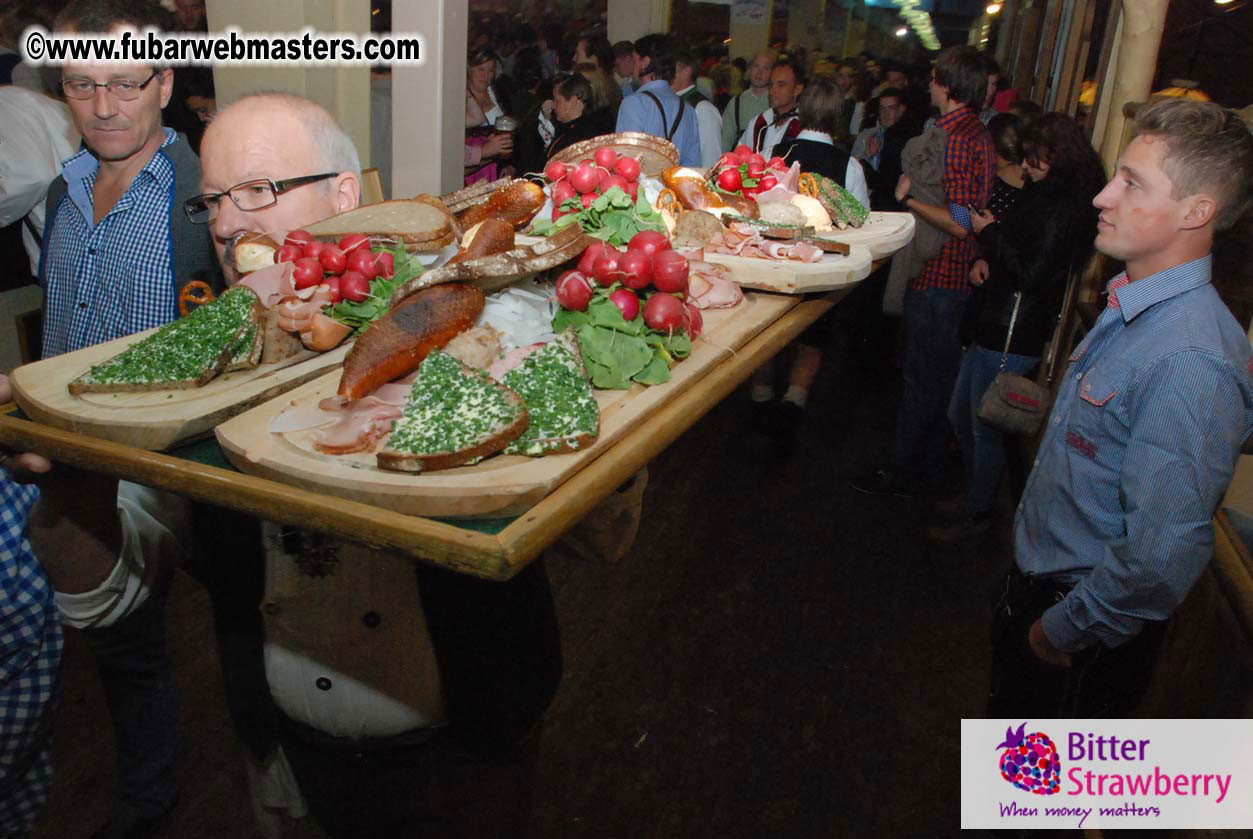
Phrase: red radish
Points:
(352, 241)
(612, 181)
(729, 159)
(363, 262)
(308, 272)
(584, 179)
(637, 269)
(333, 259)
(627, 167)
(314, 249)
(744, 152)
(756, 159)
(649, 241)
(663, 312)
(555, 170)
(693, 320)
(574, 291)
(590, 253)
(298, 237)
(755, 169)
(767, 182)
(777, 163)
(558, 212)
(607, 269)
(602, 180)
(354, 286)
(587, 161)
(289, 253)
(563, 191)
(333, 284)
(670, 271)
(633, 189)
(627, 303)
(606, 157)
(587, 199)
(384, 265)
(730, 180)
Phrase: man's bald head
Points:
(277, 136)
(759, 70)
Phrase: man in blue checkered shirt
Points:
(1114, 527)
(117, 251)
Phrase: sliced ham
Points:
(361, 425)
(710, 288)
(512, 359)
(272, 283)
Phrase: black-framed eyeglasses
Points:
(249, 196)
(123, 89)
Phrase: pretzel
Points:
(668, 202)
(808, 184)
(190, 299)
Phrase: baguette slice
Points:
(454, 416)
(553, 383)
(414, 223)
(183, 354)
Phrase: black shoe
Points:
(882, 482)
(969, 526)
(140, 827)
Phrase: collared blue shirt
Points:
(111, 279)
(638, 113)
(1140, 448)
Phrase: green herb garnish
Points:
(612, 217)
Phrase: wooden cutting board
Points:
(155, 420)
(503, 485)
(883, 234)
(790, 277)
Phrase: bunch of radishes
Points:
(347, 268)
(747, 172)
(591, 177)
(647, 262)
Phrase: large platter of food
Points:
(294, 439)
(652, 154)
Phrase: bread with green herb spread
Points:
(553, 384)
(454, 416)
(182, 354)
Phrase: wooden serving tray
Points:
(503, 485)
(831, 272)
(155, 420)
(883, 234)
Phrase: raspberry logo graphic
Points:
(1030, 761)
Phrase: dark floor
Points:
(777, 656)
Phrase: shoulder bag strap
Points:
(1009, 333)
(674, 129)
(739, 129)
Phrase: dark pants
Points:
(933, 355)
(134, 666)
(402, 787)
(1101, 683)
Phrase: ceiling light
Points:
(902, 32)
(1221, 2)
(993, 8)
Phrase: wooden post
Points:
(1005, 28)
(630, 20)
(1141, 35)
(428, 101)
(344, 91)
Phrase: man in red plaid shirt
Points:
(936, 299)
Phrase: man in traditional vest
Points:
(747, 106)
(708, 120)
(779, 120)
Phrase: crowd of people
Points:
(402, 694)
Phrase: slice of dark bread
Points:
(182, 354)
(454, 415)
(553, 383)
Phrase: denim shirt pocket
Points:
(1095, 430)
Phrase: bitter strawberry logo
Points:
(1030, 761)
